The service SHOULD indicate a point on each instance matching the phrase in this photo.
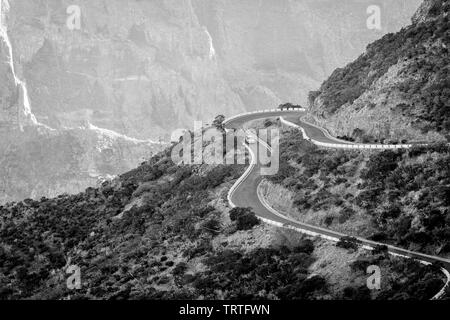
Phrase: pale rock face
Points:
(38, 162)
(141, 68)
(144, 68)
(375, 111)
(423, 13)
(9, 92)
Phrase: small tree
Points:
(380, 249)
(247, 221)
(245, 218)
(285, 106)
(218, 121)
(348, 243)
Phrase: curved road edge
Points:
(325, 132)
(261, 198)
(336, 143)
(335, 239)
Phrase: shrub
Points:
(245, 218)
(348, 243)
(179, 269)
(212, 226)
(359, 293)
(247, 221)
(380, 249)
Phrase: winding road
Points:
(246, 191)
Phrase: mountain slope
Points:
(37, 162)
(163, 231)
(145, 68)
(398, 89)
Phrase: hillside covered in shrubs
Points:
(161, 231)
(405, 75)
(398, 197)
(164, 231)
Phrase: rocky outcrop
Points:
(142, 69)
(38, 162)
(427, 10)
(397, 90)
(378, 115)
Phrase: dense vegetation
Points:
(403, 194)
(163, 231)
(266, 273)
(147, 235)
(117, 234)
(407, 279)
(424, 47)
(244, 217)
(152, 234)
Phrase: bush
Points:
(380, 249)
(247, 221)
(180, 269)
(212, 226)
(245, 218)
(348, 243)
(359, 293)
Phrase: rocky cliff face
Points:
(428, 10)
(144, 68)
(39, 160)
(141, 68)
(397, 90)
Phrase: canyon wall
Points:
(144, 68)
(136, 70)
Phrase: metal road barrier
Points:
(369, 245)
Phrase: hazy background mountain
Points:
(144, 68)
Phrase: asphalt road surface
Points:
(246, 194)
